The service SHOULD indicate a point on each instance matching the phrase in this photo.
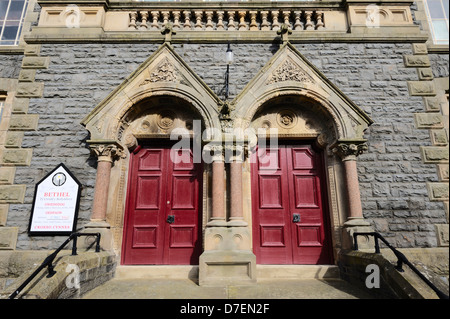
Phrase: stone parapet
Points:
(218, 21)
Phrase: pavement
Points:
(154, 288)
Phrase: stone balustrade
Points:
(231, 20)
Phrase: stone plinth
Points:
(228, 258)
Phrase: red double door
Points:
(289, 224)
(162, 220)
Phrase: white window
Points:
(2, 103)
(12, 14)
(437, 13)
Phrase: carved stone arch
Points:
(162, 94)
(291, 94)
(289, 73)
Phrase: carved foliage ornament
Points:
(289, 71)
(350, 150)
(164, 72)
(108, 151)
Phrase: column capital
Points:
(106, 151)
(349, 150)
(236, 152)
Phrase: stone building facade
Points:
(357, 90)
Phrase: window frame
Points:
(19, 27)
(431, 26)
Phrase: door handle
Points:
(170, 219)
(296, 218)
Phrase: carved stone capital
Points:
(350, 150)
(107, 151)
(235, 152)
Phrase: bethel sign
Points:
(55, 204)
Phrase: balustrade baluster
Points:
(209, 15)
(144, 17)
(298, 23)
(155, 17)
(275, 23)
(231, 25)
(286, 18)
(309, 24)
(176, 19)
(198, 18)
(220, 25)
(132, 24)
(264, 23)
(253, 25)
(187, 20)
(319, 18)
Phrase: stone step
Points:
(157, 272)
(263, 272)
(297, 272)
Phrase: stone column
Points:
(228, 258)
(236, 196)
(106, 153)
(348, 151)
(218, 190)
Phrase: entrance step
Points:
(262, 272)
(297, 272)
(157, 272)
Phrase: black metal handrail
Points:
(48, 262)
(401, 259)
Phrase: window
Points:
(12, 13)
(437, 13)
(2, 103)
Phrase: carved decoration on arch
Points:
(289, 71)
(164, 72)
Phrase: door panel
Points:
(159, 188)
(271, 225)
(289, 224)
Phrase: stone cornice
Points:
(59, 35)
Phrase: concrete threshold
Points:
(263, 272)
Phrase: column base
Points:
(86, 243)
(357, 225)
(237, 222)
(217, 222)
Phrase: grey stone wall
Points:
(10, 66)
(392, 175)
(439, 65)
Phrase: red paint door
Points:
(289, 224)
(163, 208)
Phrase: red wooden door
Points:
(289, 224)
(163, 210)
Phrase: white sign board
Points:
(55, 204)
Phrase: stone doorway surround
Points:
(288, 93)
